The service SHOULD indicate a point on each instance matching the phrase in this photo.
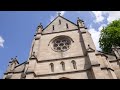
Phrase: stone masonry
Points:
(65, 50)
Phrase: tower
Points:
(64, 50)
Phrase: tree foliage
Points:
(110, 36)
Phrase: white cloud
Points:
(98, 15)
(53, 17)
(1, 42)
(101, 27)
(96, 35)
(112, 15)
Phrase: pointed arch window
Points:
(59, 22)
(67, 26)
(63, 65)
(74, 64)
(53, 27)
(52, 67)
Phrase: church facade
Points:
(65, 50)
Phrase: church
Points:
(65, 50)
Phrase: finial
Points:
(11, 60)
(40, 25)
(59, 13)
(15, 57)
(80, 19)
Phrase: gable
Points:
(59, 24)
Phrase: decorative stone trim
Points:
(59, 32)
(52, 74)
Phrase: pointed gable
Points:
(60, 24)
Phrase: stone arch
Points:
(52, 67)
(63, 65)
(74, 64)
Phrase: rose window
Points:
(61, 44)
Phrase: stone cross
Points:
(59, 13)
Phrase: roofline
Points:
(17, 61)
(21, 64)
(50, 23)
(55, 19)
(69, 20)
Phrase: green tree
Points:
(110, 36)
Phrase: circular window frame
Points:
(61, 38)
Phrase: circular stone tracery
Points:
(61, 44)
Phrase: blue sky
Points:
(17, 29)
